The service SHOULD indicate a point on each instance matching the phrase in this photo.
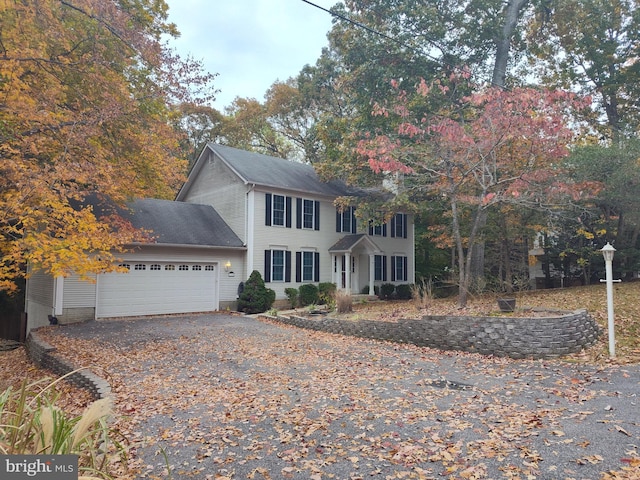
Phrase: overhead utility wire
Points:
(387, 37)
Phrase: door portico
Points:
(353, 260)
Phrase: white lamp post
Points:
(607, 253)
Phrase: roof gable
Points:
(271, 172)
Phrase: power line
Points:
(387, 37)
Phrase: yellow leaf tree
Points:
(86, 89)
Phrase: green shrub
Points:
(326, 292)
(308, 294)
(255, 296)
(292, 295)
(386, 290)
(404, 291)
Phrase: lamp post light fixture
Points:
(607, 253)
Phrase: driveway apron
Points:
(222, 396)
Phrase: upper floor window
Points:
(277, 210)
(378, 230)
(399, 225)
(308, 214)
(346, 220)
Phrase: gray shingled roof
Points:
(182, 223)
(175, 223)
(348, 242)
(275, 172)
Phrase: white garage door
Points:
(151, 288)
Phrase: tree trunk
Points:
(511, 16)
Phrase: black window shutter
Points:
(393, 269)
(316, 266)
(267, 265)
(267, 209)
(384, 229)
(384, 268)
(287, 266)
(288, 208)
(393, 226)
(316, 215)
(404, 226)
(298, 267)
(353, 220)
(406, 263)
(298, 213)
(338, 221)
(370, 227)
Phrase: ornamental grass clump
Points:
(344, 302)
(31, 424)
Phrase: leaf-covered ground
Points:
(224, 397)
(592, 298)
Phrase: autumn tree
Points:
(86, 87)
(593, 46)
(500, 149)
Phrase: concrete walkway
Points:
(236, 397)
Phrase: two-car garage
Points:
(152, 288)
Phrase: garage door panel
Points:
(147, 291)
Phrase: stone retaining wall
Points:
(42, 354)
(515, 337)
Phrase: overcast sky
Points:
(250, 43)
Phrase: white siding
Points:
(218, 186)
(78, 292)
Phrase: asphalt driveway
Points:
(236, 397)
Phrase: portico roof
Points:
(348, 243)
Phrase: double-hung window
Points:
(380, 268)
(378, 230)
(277, 266)
(307, 266)
(346, 220)
(399, 225)
(399, 268)
(277, 210)
(307, 214)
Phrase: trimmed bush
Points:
(404, 291)
(386, 290)
(326, 292)
(308, 294)
(255, 297)
(292, 295)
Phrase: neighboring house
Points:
(294, 233)
(238, 211)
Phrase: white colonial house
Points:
(238, 212)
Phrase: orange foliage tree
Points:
(86, 88)
(500, 146)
